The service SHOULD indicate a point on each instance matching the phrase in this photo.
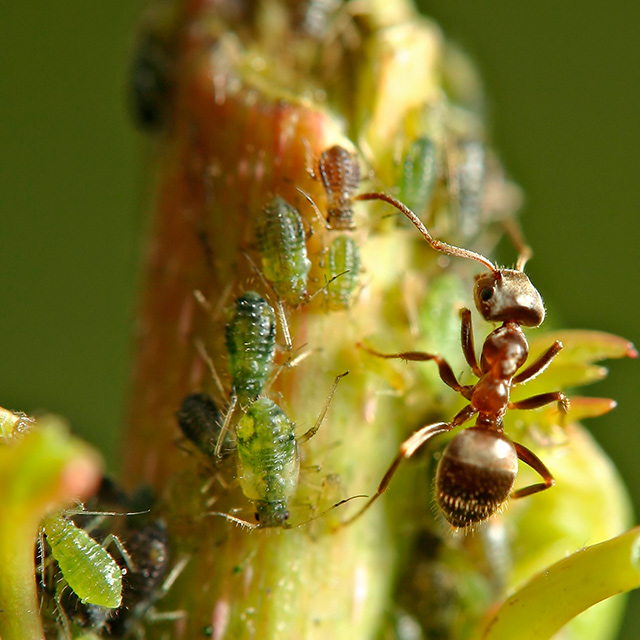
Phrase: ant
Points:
(478, 468)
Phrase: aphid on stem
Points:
(477, 472)
(339, 172)
(268, 460)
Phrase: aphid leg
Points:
(239, 521)
(528, 457)
(407, 449)
(541, 399)
(284, 325)
(444, 369)
(309, 434)
(468, 347)
(539, 365)
(123, 552)
(225, 425)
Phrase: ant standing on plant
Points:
(478, 468)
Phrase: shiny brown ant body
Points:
(478, 468)
(340, 174)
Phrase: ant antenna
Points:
(514, 231)
(438, 245)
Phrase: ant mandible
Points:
(477, 471)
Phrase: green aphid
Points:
(468, 182)
(201, 422)
(281, 241)
(268, 463)
(344, 266)
(419, 174)
(90, 571)
(251, 344)
(268, 460)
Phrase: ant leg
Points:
(468, 348)
(528, 457)
(445, 370)
(312, 432)
(540, 400)
(407, 449)
(540, 364)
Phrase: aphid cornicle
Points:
(251, 345)
(477, 472)
(268, 462)
(283, 252)
(343, 271)
(86, 565)
(201, 422)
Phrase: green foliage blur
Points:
(563, 103)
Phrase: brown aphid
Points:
(340, 174)
(477, 472)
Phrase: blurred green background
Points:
(562, 80)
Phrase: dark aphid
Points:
(283, 252)
(251, 345)
(268, 460)
(340, 174)
(149, 551)
(88, 568)
(152, 84)
(201, 422)
(343, 272)
(477, 472)
(419, 174)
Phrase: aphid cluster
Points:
(109, 593)
(266, 446)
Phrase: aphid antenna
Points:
(245, 524)
(326, 285)
(438, 245)
(204, 354)
(311, 432)
(289, 363)
(315, 208)
(286, 525)
(284, 325)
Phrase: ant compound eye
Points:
(486, 294)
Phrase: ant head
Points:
(507, 295)
(475, 476)
(271, 514)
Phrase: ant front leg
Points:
(539, 365)
(528, 457)
(444, 369)
(407, 449)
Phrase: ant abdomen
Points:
(475, 476)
